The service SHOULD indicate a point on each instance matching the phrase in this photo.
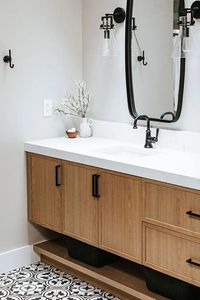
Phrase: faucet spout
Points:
(141, 117)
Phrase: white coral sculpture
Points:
(76, 105)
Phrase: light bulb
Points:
(181, 43)
(109, 46)
(185, 45)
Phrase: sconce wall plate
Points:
(119, 15)
(196, 9)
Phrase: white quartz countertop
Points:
(166, 165)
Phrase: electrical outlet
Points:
(48, 108)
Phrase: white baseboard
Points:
(17, 258)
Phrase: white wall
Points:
(46, 40)
(106, 76)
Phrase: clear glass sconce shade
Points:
(181, 45)
(109, 48)
(186, 47)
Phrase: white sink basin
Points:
(127, 152)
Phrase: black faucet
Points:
(149, 140)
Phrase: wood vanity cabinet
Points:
(80, 206)
(145, 221)
(171, 230)
(98, 207)
(112, 220)
(44, 191)
(120, 215)
(172, 253)
(172, 206)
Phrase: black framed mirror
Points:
(151, 90)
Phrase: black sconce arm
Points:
(108, 20)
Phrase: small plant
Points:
(75, 105)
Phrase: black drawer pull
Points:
(57, 177)
(190, 213)
(95, 185)
(191, 262)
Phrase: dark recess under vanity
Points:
(170, 287)
(156, 282)
(88, 254)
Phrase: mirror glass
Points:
(156, 79)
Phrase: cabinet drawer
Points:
(172, 205)
(172, 253)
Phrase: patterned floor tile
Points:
(43, 282)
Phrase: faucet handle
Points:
(154, 139)
(157, 134)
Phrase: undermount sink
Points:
(127, 152)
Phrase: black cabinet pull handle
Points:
(191, 262)
(57, 177)
(95, 185)
(190, 213)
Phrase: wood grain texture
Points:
(167, 251)
(44, 197)
(168, 204)
(79, 207)
(113, 222)
(120, 215)
(124, 277)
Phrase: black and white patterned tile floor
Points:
(43, 282)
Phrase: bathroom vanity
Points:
(143, 207)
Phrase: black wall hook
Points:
(8, 59)
(142, 58)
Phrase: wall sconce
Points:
(118, 16)
(186, 20)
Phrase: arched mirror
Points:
(157, 33)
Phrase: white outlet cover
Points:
(48, 107)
